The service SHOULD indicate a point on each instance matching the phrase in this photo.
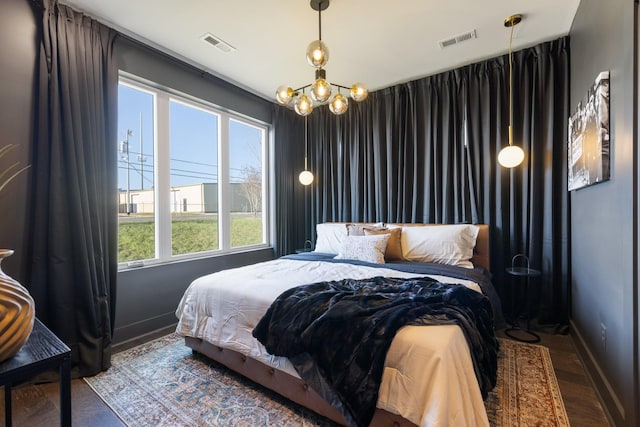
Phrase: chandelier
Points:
(320, 89)
(511, 155)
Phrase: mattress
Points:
(428, 378)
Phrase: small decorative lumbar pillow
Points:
(394, 246)
(364, 248)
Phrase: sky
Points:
(193, 139)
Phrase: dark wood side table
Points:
(524, 274)
(42, 351)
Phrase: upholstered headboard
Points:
(480, 257)
(481, 252)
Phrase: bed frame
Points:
(295, 389)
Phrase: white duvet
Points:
(428, 377)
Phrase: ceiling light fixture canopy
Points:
(511, 155)
(321, 89)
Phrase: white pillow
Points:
(364, 248)
(444, 244)
(329, 237)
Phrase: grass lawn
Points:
(136, 239)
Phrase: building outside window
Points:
(192, 177)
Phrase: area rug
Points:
(162, 383)
(527, 392)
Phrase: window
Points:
(191, 177)
(246, 183)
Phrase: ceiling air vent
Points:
(458, 39)
(218, 43)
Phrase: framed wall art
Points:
(589, 143)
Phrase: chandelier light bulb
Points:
(339, 104)
(359, 92)
(303, 105)
(305, 177)
(285, 94)
(317, 54)
(321, 90)
(510, 156)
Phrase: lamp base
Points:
(517, 334)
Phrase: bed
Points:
(429, 377)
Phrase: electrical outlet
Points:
(603, 336)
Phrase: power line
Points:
(149, 169)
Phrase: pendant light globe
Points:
(359, 92)
(510, 156)
(303, 105)
(339, 104)
(317, 54)
(305, 177)
(320, 90)
(285, 95)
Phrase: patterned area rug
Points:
(526, 393)
(162, 383)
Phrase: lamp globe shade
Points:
(285, 94)
(305, 177)
(320, 90)
(359, 92)
(303, 105)
(339, 104)
(510, 156)
(317, 54)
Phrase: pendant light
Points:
(511, 155)
(321, 88)
(305, 177)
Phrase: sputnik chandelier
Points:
(321, 89)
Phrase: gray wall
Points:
(148, 297)
(18, 53)
(603, 240)
(158, 68)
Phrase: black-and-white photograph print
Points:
(588, 151)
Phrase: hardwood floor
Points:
(37, 405)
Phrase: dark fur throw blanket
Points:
(337, 334)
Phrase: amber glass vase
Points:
(17, 312)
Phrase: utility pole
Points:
(141, 158)
(124, 152)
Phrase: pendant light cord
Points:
(511, 85)
(305, 144)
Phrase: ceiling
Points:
(378, 42)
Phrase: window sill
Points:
(147, 263)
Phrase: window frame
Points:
(162, 97)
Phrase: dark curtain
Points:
(426, 151)
(73, 243)
(291, 211)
